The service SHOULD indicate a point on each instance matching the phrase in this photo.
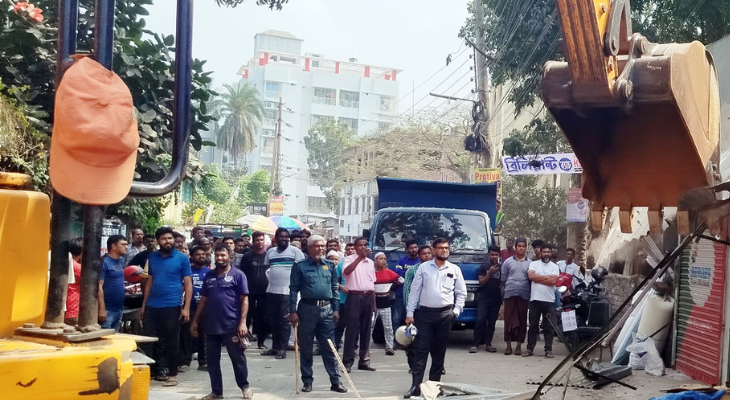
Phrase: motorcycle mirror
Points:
(562, 289)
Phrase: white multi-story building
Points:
(311, 87)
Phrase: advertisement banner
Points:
(276, 206)
(489, 175)
(543, 164)
(577, 209)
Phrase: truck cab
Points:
(424, 211)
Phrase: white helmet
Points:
(401, 337)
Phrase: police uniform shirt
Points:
(314, 279)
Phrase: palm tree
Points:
(243, 111)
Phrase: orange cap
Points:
(95, 139)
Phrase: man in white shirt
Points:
(544, 274)
(439, 291)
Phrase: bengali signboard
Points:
(276, 206)
(577, 208)
(544, 164)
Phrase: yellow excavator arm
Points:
(642, 118)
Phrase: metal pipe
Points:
(94, 215)
(180, 110)
(90, 269)
(58, 275)
(104, 32)
(68, 17)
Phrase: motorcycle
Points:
(584, 309)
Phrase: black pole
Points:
(90, 268)
(181, 107)
(68, 16)
(94, 215)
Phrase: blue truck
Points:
(425, 210)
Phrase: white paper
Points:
(569, 322)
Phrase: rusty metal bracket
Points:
(619, 28)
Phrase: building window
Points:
(272, 90)
(317, 205)
(325, 96)
(342, 207)
(270, 117)
(317, 119)
(342, 223)
(268, 146)
(349, 206)
(349, 99)
(383, 126)
(357, 205)
(386, 103)
(351, 123)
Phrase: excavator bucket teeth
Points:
(648, 150)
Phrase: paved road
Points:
(274, 379)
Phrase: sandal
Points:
(171, 381)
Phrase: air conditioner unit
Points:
(271, 104)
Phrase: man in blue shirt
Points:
(200, 264)
(111, 283)
(224, 300)
(161, 314)
(317, 312)
(401, 267)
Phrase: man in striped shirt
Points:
(279, 261)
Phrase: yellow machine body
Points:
(44, 368)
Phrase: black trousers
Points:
(278, 306)
(188, 342)
(316, 322)
(360, 309)
(340, 326)
(257, 315)
(487, 314)
(546, 310)
(164, 324)
(434, 327)
(237, 356)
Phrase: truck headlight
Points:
(470, 296)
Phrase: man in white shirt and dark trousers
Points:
(439, 290)
(544, 274)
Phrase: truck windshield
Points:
(465, 232)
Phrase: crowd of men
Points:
(206, 294)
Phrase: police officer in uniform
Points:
(439, 292)
(316, 280)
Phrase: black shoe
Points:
(307, 387)
(348, 368)
(443, 371)
(269, 352)
(410, 371)
(338, 388)
(413, 391)
(203, 367)
(365, 367)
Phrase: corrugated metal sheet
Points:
(700, 311)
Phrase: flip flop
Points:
(171, 381)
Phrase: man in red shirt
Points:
(384, 279)
(72, 296)
(509, 251)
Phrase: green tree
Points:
(541, 136)
(243, 111)
(325, 143)
(257, 186)
(534, 211)
(214, 187)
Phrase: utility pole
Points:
(275, 187)
(483, 80)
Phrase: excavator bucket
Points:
(644, 122)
